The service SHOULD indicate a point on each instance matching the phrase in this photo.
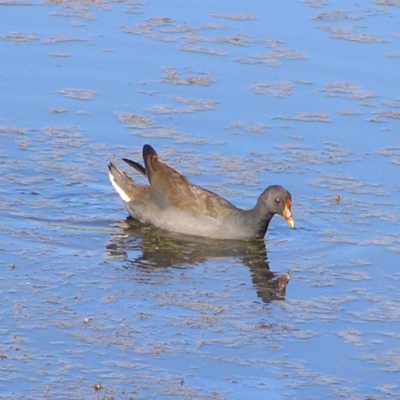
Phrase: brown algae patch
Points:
(331, 154)
(389, 361)
(20, 37)
(149, 30)
(361, 213)
(201, 49)
(236, 40)
(388, 114)
(351, 35)
(340, 182)
(392, 152)
(175, 135)
(78, 9)
(16, 3)
(241, 128)
(384, 310)
(166, 29)
(192, 105)
(78, 94)
(352, 336)
(383, 215)
(279, 52)
(134, 120)
(235, 17)
(347, 89)
(393, 103)
(274, 89)
(62, 39)
(390, 241)
(336, 15)
(163, 29)
(306, 117)
(61, 55)
(57, 110)
(5, 130)
(175, 77)
(394, 3)
(347, 113)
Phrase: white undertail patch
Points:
(118, 189)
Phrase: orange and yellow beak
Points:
(287, 213)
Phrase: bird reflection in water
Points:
(161, 249)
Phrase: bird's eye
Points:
(277, 201)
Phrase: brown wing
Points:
(170, 188)
(126, 186)
(135, 165)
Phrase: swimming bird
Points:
(172, 202)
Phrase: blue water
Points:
(88, 299)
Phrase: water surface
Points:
(237, 96)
